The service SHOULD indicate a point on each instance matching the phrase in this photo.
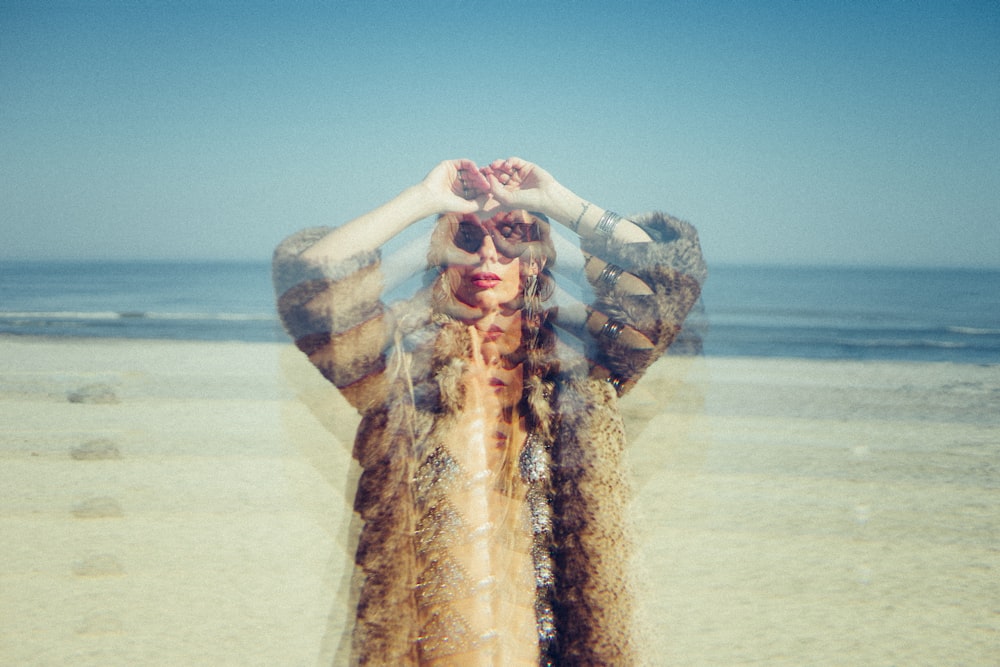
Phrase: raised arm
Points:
(518, 184)
(330, 282)
(645, 272)
(452, 186)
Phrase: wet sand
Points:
(185, 503)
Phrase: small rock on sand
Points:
(93, 393)
(96, 450)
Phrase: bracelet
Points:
(610, 274)
(575, 225)
(606, 225)
(612, 329)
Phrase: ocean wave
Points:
(39, 316)
(903, 343)
(973, 331)
(832, 324)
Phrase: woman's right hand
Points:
(457, 186)
(453, 186)
(519, 184)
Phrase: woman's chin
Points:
(478, 298)
(486, 300)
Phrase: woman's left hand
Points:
(456, 186)
(519, 184)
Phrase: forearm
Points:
(370, 231)
(581, 216)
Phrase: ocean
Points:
(809, 312)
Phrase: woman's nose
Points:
(488, 250)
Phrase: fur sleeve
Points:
(335, 314)
(673, 267)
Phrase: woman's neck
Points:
(498, 332)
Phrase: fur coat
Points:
(399, 365)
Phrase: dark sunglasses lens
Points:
(469, 237)
(519, 232)
(508, 238)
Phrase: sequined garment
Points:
(493, 532)
(475, 581)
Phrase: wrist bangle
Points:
(610, 274)
(612, 329)
(606, 225)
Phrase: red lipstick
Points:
(484, 279)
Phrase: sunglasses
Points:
(509, 235)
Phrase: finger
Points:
(470, 184)
(500, 172)
(477, 357)
(461, 187)
(519, 168)
(465, 164)
(477, 179)
(499, 192)
(488, 173)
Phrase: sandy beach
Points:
(186, 503)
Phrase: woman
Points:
(492, 490)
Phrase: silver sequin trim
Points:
(439, 528)
(443, 580)
(446, 633)
(435, 475)
(533, 462)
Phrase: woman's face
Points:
(484, 265)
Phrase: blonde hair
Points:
(537, 337)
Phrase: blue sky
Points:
(800, 132)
